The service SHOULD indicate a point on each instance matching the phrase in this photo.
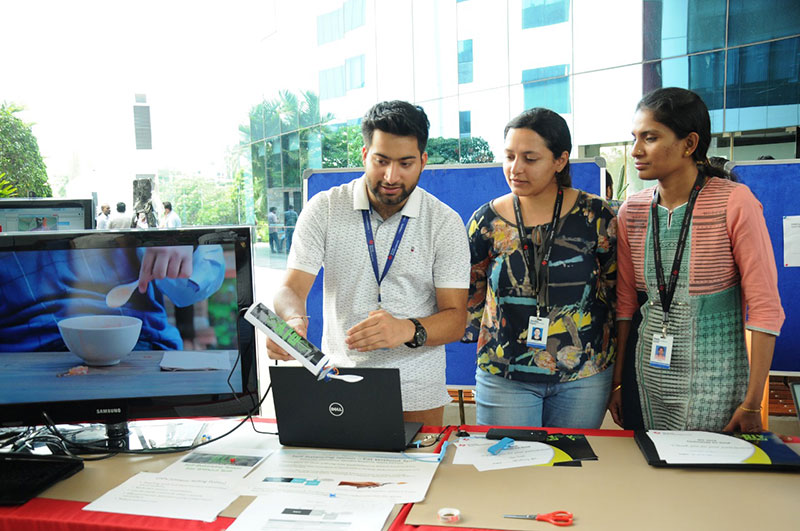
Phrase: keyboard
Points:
(24, 476)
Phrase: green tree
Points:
(20, 159)
(198, 203)
(341, 146)
(6, 188)
(283, 134)
(454, 151)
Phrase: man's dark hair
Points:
(273, 209)
(167, 206)
(120, 207)
(291, 206)
(398, 118)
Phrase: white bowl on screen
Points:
(100, 340)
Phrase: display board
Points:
(465, 188)
(774, 183)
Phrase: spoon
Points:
(349, 378)
(119, 295)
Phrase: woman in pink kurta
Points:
(726, 271)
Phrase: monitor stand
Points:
(131, 436)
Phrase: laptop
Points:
(366, 415)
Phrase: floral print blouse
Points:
(581, 295)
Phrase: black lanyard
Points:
(667, 292)
(373, 255)
(538, 273)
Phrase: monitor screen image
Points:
(113, 326)
(45, 214)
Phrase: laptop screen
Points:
(367, 415)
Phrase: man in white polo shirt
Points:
(396, 265)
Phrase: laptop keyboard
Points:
(24, 476)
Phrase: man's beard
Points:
(395, 200)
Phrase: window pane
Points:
(330, 27)
(761, 20)
(465, 61)
(464, 124)
(274, 164)
(331, 83)
(537, 13)
(703, 74)
(551, 92)
(763, 90)
(290, 145)
(678, 27)
(354, 71)
(353, 14)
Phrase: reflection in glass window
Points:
(274, 163)
(765, 75)
(547, 87)
(703, 74)
(353, 14)
(331, 83)
(465, 61)
(538, 13)
(760, 20)
(678, 27)
(290, 145)
(354, 72)
(330, 27)
(465, 124)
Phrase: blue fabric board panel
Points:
(775, 186)
(464, 189)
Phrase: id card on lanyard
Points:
(373, 254)
(661, 351)
(538, 326)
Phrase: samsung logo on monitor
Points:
(106, 411)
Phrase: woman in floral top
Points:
(556, 278)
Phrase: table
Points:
(37, 377)
(619, 491)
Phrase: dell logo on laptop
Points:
(336, 409)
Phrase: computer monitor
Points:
(193, 354)
(45, 214)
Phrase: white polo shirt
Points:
(434, 253)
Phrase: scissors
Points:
(560, 518)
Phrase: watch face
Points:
(421, 336)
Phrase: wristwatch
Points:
(420, 335)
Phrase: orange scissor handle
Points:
(560, 518)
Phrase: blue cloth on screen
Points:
(39, 288)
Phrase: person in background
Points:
(396, 265)
(613, 203)
(543, 258)
(119, 220)
(272, 219)
(141, 221)
(695, 269)
(290, 220)
(171, 218)
(103, 217)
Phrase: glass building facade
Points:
(474, 64)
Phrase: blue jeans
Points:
(577, 404)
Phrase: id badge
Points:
(537, 332)
(661, 351)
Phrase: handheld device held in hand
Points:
(517, 434)
(285, 336)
